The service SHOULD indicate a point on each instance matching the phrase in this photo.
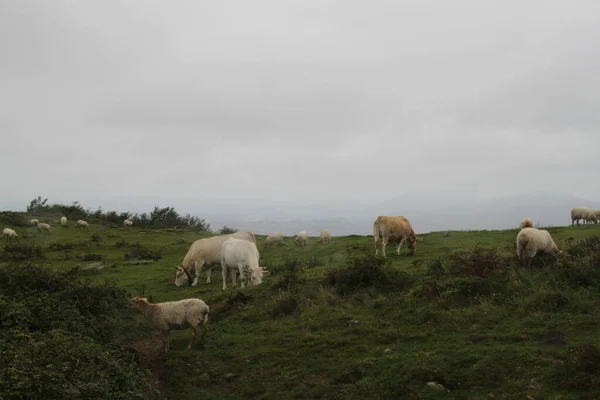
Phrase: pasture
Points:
(456, 320)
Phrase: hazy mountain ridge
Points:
(499, 213)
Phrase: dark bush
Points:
(364, 270)
(478, 262)
(95, 238)
(121, 243)
(22, 252)
(225, 230)
(91, 257)
(141, 252)
(61, 338)
(13, 219)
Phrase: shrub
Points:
(91, 257)
(225, 230)
(60, 338)
(22, 252)
(141, 252)
(365, 270)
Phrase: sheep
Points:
(63, 221)
(274, 239)
(43, 227)
(397, 226)
(526, 223)
(127, 222)
(585, 213)
(33, 222)
(301, 238)
(530, 241)
(82, 224)
(202, 255)
(10, 234)
(174, 315)
(325, 236)
(241, 255)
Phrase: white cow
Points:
(241, 256)
(63, 221)
(9, 234)
(202, 255)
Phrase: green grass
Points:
(478, 337)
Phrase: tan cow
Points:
(397, 226)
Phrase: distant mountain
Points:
(433, 215)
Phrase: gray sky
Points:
(138, 103)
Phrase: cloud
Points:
(312, 102)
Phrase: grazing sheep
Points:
(585, 213)
(10, 234)
(33, 222)
(127, 222)
(63, 221)
(238, 255)
(274, 239)
(397, 226)
(530, 241)
(526, 223)
(174, 315)
(202, 255)
(301, 238)
(325, 236)
(82, 224)
(43, 227)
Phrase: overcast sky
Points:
(139, 103)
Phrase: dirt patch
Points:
(152, 357)
(554, 338)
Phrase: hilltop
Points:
(335, 322)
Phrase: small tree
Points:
(225, 230)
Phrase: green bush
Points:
(60, 338)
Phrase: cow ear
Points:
(266, 273)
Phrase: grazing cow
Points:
(43, 227)
(202, 255)
(238, 255)
(63, 221)
(397, 226)
(81, 224)
(128, 222)
(10, 234)
(274, 239)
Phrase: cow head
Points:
(182, 276)
(256, 274)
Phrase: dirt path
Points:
(153, 358)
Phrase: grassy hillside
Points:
(334, 322)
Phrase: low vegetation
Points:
(456, 320)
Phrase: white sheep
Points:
(526, 223)
(274, 239)
(238, 255)
(585, 213)
(202, 255)
(63, 221)
(530, 241)
(174, 315)
(82, 224)
(301, 238)
(325, 236)
(43, 227)
(33, 222)
(127, 222)
(10, 234)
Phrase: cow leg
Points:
(400, 245)
(198, 267)
(233, 273)
(242, 275)
(224, 275)
(384, 243)
(208, 273)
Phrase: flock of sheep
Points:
(10, 234)
(237, 252)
